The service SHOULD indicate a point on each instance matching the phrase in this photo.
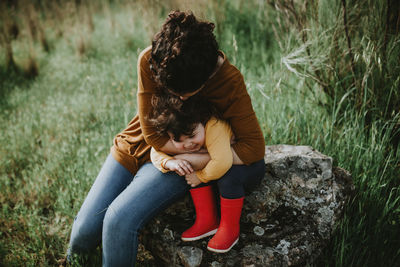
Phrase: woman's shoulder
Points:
(229, 66)
(228, 78)
(228, 83)
(144, 56)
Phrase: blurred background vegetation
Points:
(323, 73)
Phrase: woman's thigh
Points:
(150, 192)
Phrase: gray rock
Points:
(286, 221)
(190, 256)
(258, 230)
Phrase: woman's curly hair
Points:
(184, 53)
(178, 117)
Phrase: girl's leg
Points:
(86, 230)
(229, 228)
(206, 223)
(241, 179)
(149, 193)
(232, 187)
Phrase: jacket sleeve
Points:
(146, 88)
(249, 140)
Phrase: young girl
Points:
(193, 125)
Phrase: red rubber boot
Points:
(229, 228)
(206, 223)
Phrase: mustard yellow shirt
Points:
(218, 136)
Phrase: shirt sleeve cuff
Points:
(199, 175)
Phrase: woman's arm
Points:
(249, 145)
(147, 87)
(233, 101)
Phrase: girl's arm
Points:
(203, 160)
(200, 160)
(197, 160)
(166, 163)
(218, 135)
(171, 149)
(158, 159)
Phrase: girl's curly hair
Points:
(171, 114)
(184, 53)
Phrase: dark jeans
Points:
(239, 180)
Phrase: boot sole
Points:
(222, 250)
(212, 232)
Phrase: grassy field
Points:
(68, 85)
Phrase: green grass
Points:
(57, 127)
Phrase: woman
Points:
(183, 60)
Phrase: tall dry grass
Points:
(350, 49)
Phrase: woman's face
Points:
(190, 143)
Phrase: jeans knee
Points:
(115, 223)
(85, 235)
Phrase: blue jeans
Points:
(118, 205)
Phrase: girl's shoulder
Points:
(215, 125)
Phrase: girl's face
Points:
(190, 143)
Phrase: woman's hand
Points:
(192, 179)
(180, 166)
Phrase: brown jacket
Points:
(225, 89)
